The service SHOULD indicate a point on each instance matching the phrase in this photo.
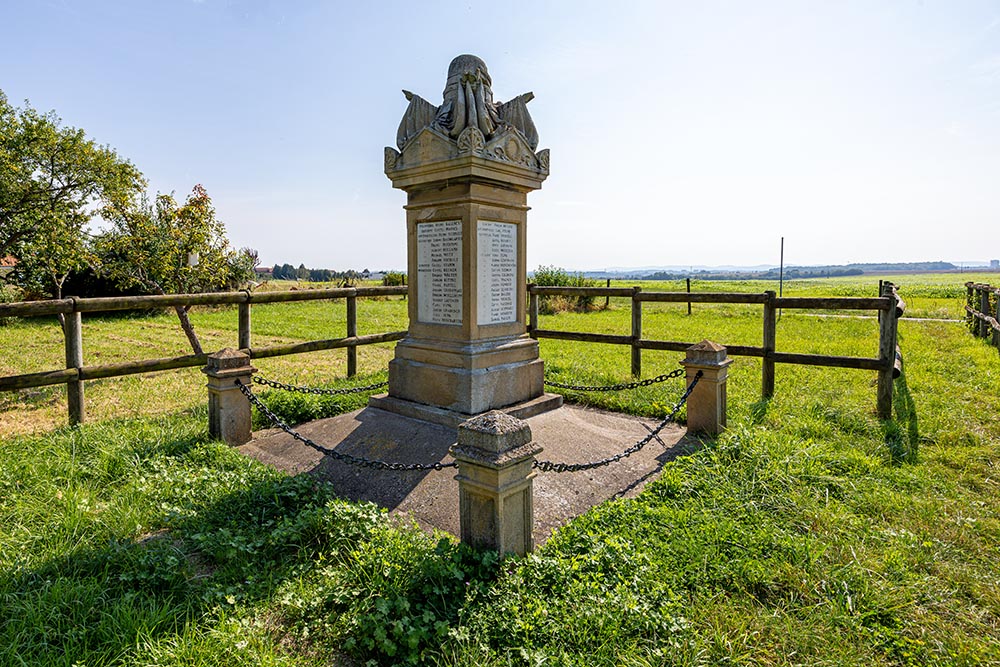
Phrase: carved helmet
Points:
(466, 64)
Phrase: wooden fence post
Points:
(636, 332)
(689, 291)
(532, 311)
(607, 298)
(74, 359)
(969, 317)
(352, 331)
(770, 338)
(886, 354)
(984, 308)
(996, 316)
(244, 325)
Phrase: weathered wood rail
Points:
(888, 363)
(978, 309)
(76, 373)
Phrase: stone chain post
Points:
(495, 457)
(706, 407)
(228, 409)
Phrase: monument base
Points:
(467, 377)
(452, 418)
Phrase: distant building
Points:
(265, 272)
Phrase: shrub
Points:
(554, 276)
(393, 279)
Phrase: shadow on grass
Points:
(758, 411)
(902, 435)
(224, 536)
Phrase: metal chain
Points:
(618, 387)
(317, 390)
(340, 456)
(550, 466)
(559, 385)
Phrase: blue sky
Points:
(681, 133)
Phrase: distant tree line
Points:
(794, 272)
(289, 272)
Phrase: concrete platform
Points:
(569, 434)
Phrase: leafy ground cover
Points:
(809, 533)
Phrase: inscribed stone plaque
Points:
(497, 272)
(439, 272)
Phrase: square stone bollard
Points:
(495, 456)
(228, 408)
(706, 407)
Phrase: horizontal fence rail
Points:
(889, 305)
(76, 373)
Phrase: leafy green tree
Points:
(58, 246)
(53, 179)
(171, 248)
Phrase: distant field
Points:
(33, 345)
(809, 533)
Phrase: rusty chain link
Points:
(551, 466)
(316, 390)
(360, 461)
(618, 387)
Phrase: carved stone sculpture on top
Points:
(470, 121)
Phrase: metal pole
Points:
(781, 273)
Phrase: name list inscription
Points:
(439, 272)
(497, 272)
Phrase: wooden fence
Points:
(978, 311)
(76, 373)
(889, 304)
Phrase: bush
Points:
(8, 293)
(554, 276)
(394, 279)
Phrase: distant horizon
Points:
(971, 265)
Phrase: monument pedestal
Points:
(467, 179)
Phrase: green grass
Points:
(809, 533)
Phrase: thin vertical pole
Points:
(689, 291)
(607, 298)
(886, 354)
(781, 272)
(74, 359)
(636, 332)
(770, 337)
(244, 326)
(352, 331)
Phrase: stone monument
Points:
(467, 167)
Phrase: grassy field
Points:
(809, 533)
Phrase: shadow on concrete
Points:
(571, 434)
(688, 444)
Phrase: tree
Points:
(52, 182)
(57, 247)
(166, 248)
